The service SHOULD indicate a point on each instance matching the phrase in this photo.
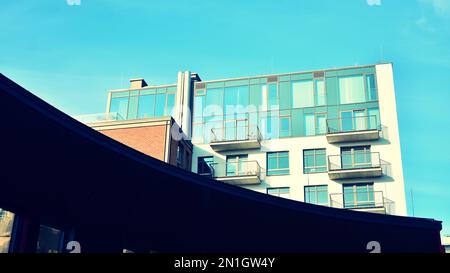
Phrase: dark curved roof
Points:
(73, 177)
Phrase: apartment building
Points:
(327, 137)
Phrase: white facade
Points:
(391, 183)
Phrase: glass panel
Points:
(171, 103)
(120, 106)
(284, 162)
(321, 126)
(285, 95)
(242, 130)
(374, 119)
(160, 102)
(351, 89)
(132, 107)
(50, 240)
(198, 106)
(273, 97)
(320, 92)
(347, 121)
(285, 124)
(360, 120)
(198, 133)
(309, 125)
(371, 88)
(322, 197)
(230, 130)
(146, 106)
(303, 94)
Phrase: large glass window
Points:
(277, 163)
(358, 195)
(285, 126)
(303, 94)
(284, 192)
(237, 165)
(160, 103)
(146, 106)
(309, 125)
(273, 103)
(50, 240)
(316, 195)
(351, 89)
(354, 120)
(320, 92)
(119, 106)
(321, 124)
(314, 161)
(356, 157)
(371, 88)
(204, 165)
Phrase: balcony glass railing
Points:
(362, 200)
(100, 117)
(236, 169)
(235, 133)
(354, 160)
(353, 124)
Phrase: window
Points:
(351, 89)
(314, 161)
(356, 157)
(6, 227)
(303, 94)
(321, 124)
(204, 165)
(180, 155)
(355, 120)
(119, 106)
(374, 122)
(371, 88)
(319, 88)
(146, 106)
(309, 125)
(237, 165)
(316, 195)
(278, 163)
(285, 126)
(273, 97)
(50, 240)
(359, 195)
(280, 192)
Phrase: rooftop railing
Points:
(99, 117)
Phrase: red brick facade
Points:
(150, 140)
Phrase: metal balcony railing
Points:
(236, 169)
(235, 133)
(100, 117)
(370, 200)
(353, 124)
(353, 161)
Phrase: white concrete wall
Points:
(388, 146)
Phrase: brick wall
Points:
(149, 140)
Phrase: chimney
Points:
(137, 83)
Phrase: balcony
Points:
(353, 129)
(354, 165)
(369, 201)
(235, 138)
(241, 173)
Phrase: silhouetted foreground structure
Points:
(61, 173)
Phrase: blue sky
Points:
(70, 55)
